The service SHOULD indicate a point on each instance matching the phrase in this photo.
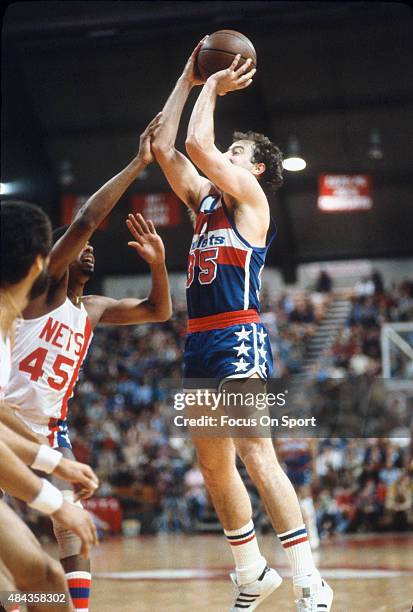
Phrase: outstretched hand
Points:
(145, 153)
(147, 242)
(233, 78)
(190, 72)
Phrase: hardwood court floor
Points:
(178, 573)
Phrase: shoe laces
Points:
(306, 604)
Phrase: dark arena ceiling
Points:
(81, 79)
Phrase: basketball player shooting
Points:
(53, 338)
(225, 337)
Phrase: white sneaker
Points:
(250, 596)
(316, 598)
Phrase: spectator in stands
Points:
(344, 497)
(324, 282)
(378, 283)
(195, 493)
(405, 302)
(364, 287)
(303, 311)
(390, 473)
(328, 463)
(328, 515)
(399, 501)
(359, 363)
(369, 507)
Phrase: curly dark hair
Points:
(268, 153)
(26, 232)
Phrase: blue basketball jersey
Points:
(224, 270)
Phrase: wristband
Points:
(46, 459)
(49, 499)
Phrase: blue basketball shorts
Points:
(59, 434)
(238, 351)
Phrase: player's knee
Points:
(54, 571)
(39, 571)
(68, 542)
(214, 470)
(210, 471)
(257, 454)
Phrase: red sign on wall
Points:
(108, 509)
(164, 209)
(344, 192)
(70, 206)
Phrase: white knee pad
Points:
(69, 543)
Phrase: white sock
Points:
(297, 548)
(249, 563)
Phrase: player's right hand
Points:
(190, 72)
(233, 78)
(79, 521)
(81, 475)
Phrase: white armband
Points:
(49, 499)
(46, 459)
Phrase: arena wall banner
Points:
(344, 192)
(163, 209)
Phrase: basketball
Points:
(219, 50)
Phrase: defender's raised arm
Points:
(96, 209)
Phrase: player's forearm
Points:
(103, 201)
(9, 418)
(201, 125)
(159, 298)
(90, 216)
(25, 449)
(15, 476)
(165, 135)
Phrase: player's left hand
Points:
(81, 475)
(147, 242)
(145, 153)
(233, 78)
(190, 72)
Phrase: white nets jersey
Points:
(5, 363)
(46, 358)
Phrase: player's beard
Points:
(40, 285)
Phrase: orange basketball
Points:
(219, 50)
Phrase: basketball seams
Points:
(224, 52)
(205, 70)
(240, 37)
